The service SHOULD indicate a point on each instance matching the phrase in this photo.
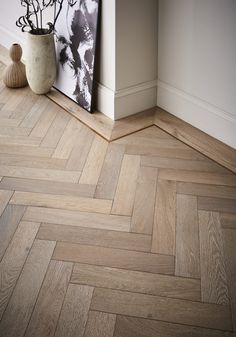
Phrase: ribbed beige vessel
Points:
(41, 62)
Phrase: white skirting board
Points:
(204, 116)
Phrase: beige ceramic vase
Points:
(14, 76)
(41, 62)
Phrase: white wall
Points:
(196, 64)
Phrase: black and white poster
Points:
(76, 32)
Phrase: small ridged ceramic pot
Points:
(41, 62)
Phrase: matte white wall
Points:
(196, 64)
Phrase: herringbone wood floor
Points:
(133, 238)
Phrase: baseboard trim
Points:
(202, 115)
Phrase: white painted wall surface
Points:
(197, 64)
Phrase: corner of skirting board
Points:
(104, 98)
(213, 121)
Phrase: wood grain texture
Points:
(74, 314)
(9, 221)
(125, 192)
(117, 258)
(229, 236)
(80, 219)
(48, 306)
(93, 236)
(217, 204)
(139, 327)
(187, 239)
(94, 162)
(5, 196)
(144, 203)
(62, 202)
(100, 324)
(108, 179)
(228, 220)
(14, 259)
(213, 276)
(163, 236)
(162, 308)
(42, 186)
(44, 122)
(20, 307)
(134, 281)
(203, 190)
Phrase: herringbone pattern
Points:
(132, 238)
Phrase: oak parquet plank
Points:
(56, 129)
(14, 258)
(75, 311)
(198, 177)
(229, 236)
(144, 203)
(40, 106)
(80, 149)
(116, 258)
(93, 165)
(135, 281)
(9, 122)
(80, 219)
(213, 276)
(44, 122)
(13, 131)
(61, 202)
(163, 236)
(98, 237)
(152, 142)
(126, 187)
(43, 174)
(25, 150)
(108, 179)
(21, 304)
(204, 190)
(187, 238)
(9, 221)
(42, 186)
(26, 103)
(100, 324)
(68, 139)
(139, 327)
(217, 204)
(162, 308)
(48, 306)
(228, 220)
(5, 196)
(20, 140)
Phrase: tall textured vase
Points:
(41, 62)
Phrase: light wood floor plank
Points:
(80, 149)
(5, 196)
(25, 150)
(163, 236)
(162, 308)
(125, 192)
(98, 237)
(80, 219)
(20, 307)
(9, 122)
(108, 179)
(74, 312)
(139, 327)
(228, 220)
(94, 162)
(100, 324)
(32, 117)
(117, 258)
(134, 281)
(217, 204)
(68, 139)
(45, 120)
(213, 276)
(14, 258)
(187, 237)
(62, 202)
(144, 203)
(43, 174)
(48, 306)
(229, 236)
(9, 221)
(12, 131)
(52, 187)
(198, 177)
(20, 140)
(204, 190)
